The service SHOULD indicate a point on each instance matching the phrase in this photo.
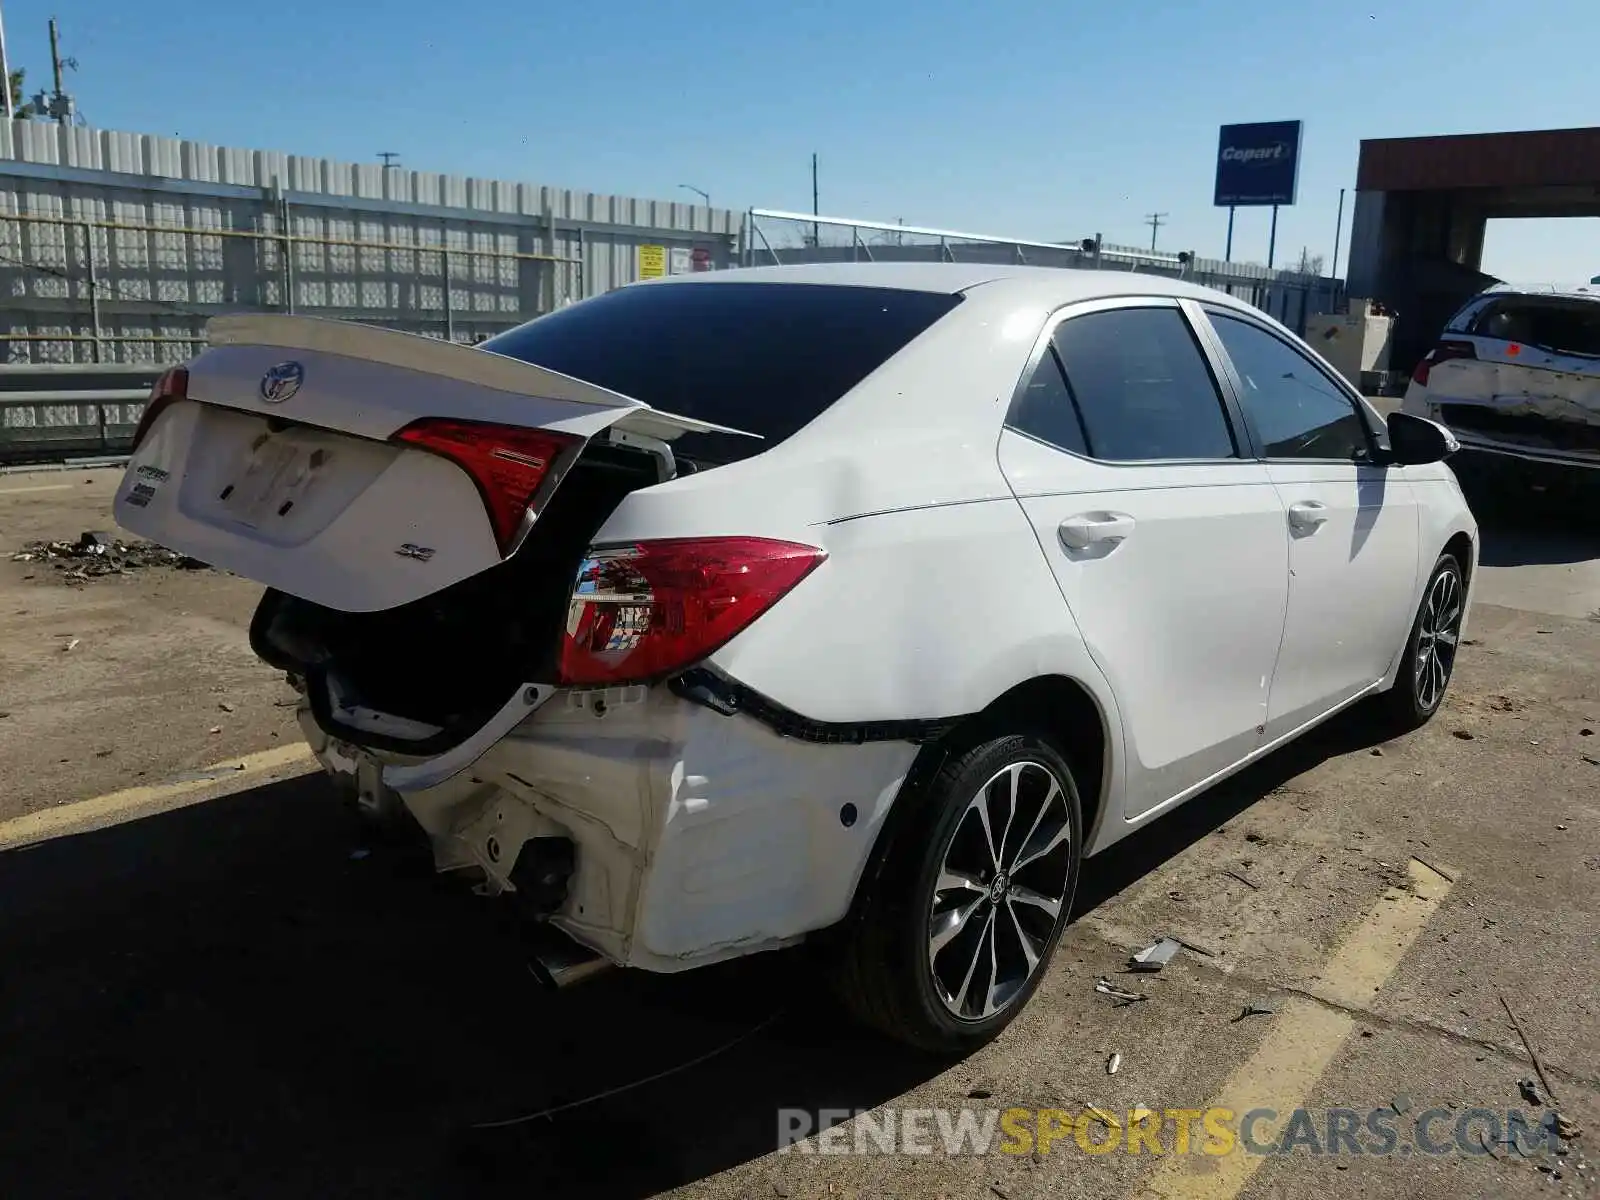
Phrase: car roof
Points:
(1507, 291)
(1070, 284)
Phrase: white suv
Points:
(712, 614)
(1517, 375)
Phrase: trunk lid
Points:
(280, 463)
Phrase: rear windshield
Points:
(1565, 326)
(764, 357)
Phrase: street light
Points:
(705, 195)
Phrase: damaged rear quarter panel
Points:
(700, 836)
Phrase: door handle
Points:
(1308, 515)
(1092, 529)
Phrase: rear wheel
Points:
(1430, 655)
(955, 931)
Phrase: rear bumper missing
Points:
(1513, 431)
(698, 835)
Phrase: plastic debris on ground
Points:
(96, 554)
(1155, 956)
(1106, 988)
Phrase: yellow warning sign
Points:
(652, 262)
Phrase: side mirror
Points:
(1414, 441)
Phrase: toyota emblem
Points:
(282, 382)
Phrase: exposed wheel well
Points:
(1461, 547)
(1064, 710)
(1053, 705)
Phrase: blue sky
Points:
(1031, 119)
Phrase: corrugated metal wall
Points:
(116, 247)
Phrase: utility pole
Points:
(57, 108)
(816, 229)
(390, 158)
(57, 104)
(1338, 228)
(1155, 221)
(5, 69)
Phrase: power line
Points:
(1155, 221)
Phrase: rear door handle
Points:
(1092, 529)
(1308, 515)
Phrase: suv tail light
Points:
(508, 463)
(173, 384)
(642, 611)
(1443, 352)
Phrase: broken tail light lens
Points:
(508, 463)
(645, 610)
(172, 385)
(1443, 352)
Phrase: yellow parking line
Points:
(1304, 1038)
(108, 809)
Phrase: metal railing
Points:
(775, 233)
(777, 236)
(60, 412)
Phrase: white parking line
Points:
(39, 487)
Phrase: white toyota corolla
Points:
(715, 613)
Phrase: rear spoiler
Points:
(468, 364)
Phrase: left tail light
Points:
(172, 385)
(509, 463)
(1444, 352)
(642, 611)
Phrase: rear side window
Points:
(1045, 409)
(1142, 387)
(1562, 326)
(764, 357)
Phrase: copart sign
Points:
(1258, 164)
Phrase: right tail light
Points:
(1443, 352)
(645, 610)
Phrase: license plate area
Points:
(282, 486)
(273, 474)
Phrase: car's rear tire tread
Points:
(873, 967)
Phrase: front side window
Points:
(1142, 386)
(1295, 408)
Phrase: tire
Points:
(1428, 664)
(887, 971)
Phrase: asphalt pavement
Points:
(214, 985)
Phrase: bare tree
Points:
(1309, 264)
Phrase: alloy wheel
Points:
(1438, 635)
(1000, 891)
